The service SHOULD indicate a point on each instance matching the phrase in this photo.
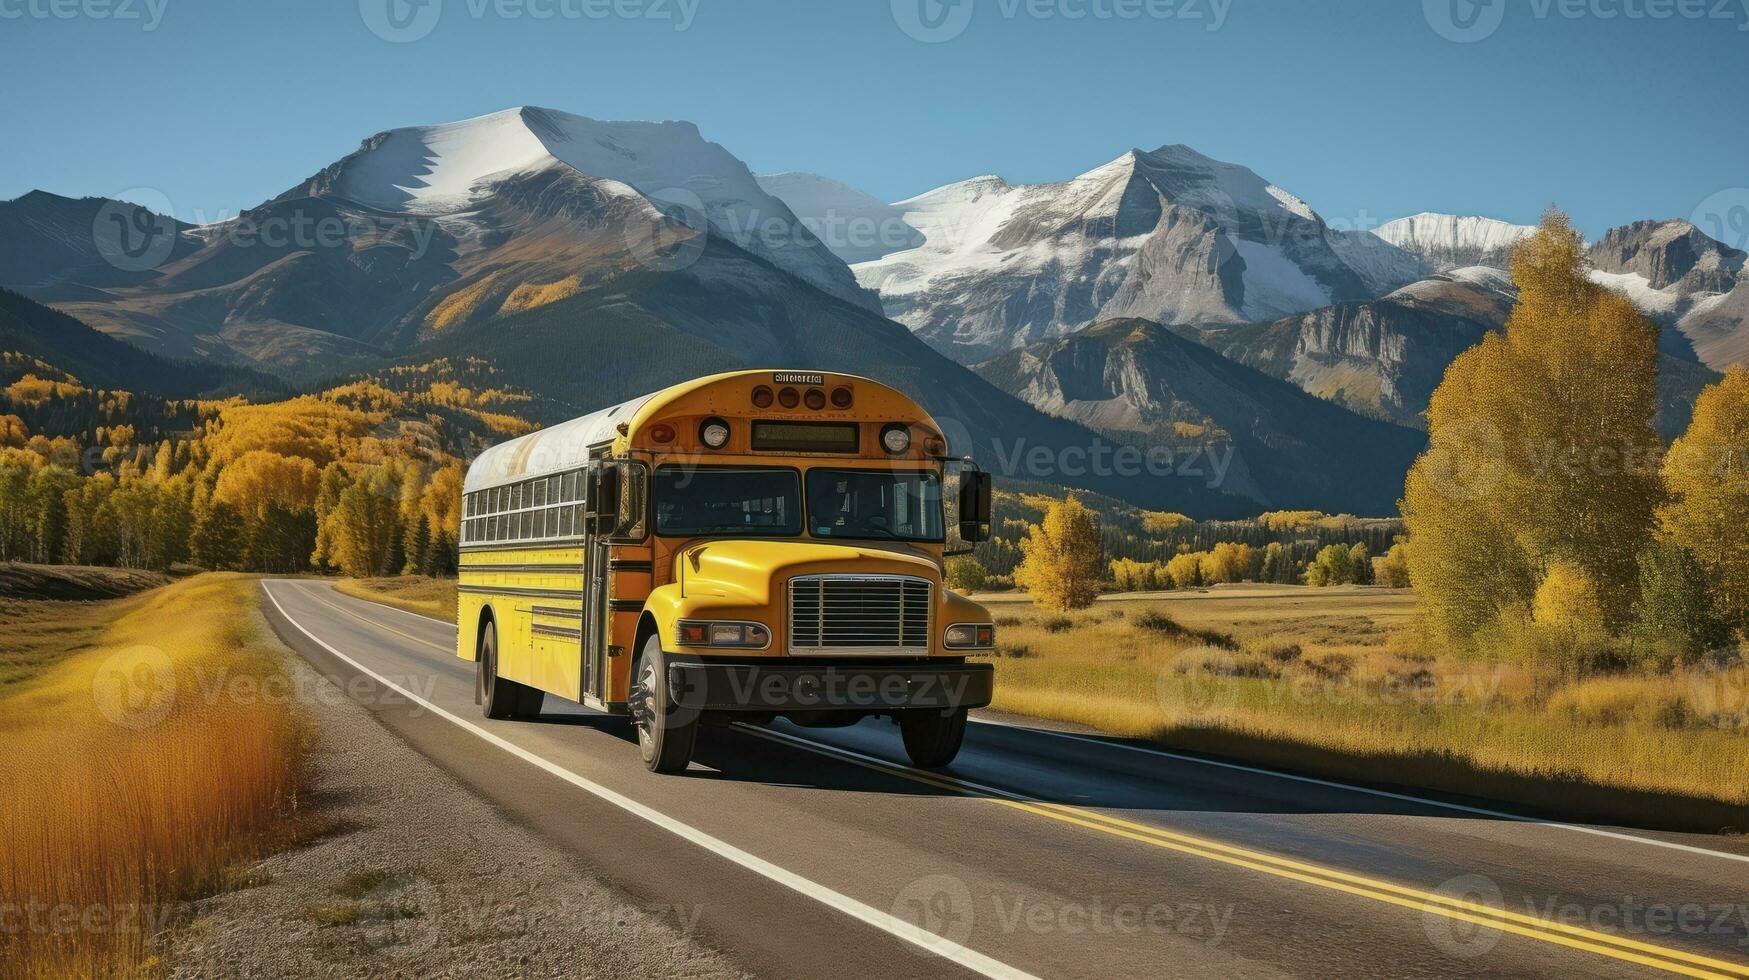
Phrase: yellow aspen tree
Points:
(1063, 561)
(1707, 472)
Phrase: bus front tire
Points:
(932, 737)
(666, 732)
(500, 698)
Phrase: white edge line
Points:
(1314, 781)
(1387, 794)
(928, 941)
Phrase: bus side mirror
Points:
(974, 506)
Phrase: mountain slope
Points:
(442, 170)
(101, 361)
(60, 247)
(1383, 358)
(1143, 384)
(1168, 235)
(856, 226)
(647, 329)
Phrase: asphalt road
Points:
(819, 853)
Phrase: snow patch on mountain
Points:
(1653, 302)
(855, 225)
(1452, 240)
(448, 169)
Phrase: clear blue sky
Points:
(1362, 108)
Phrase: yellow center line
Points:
(1575, 937)
(373, 623)
(1616, 947)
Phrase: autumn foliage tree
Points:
(1541, 449)
(1707, 472)
(1063, 561)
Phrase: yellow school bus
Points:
(742, 547)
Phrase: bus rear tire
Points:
(932, 738)
(666, 731)
(500, 698)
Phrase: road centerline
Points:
(1316, 781)
(893, 925)
(1622, 948)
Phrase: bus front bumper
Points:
(713, 685)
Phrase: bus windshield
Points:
(875, 503)
(705, 500)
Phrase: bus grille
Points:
(858, 614)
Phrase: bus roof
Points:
(566, 446)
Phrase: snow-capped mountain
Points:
(1695, 287)
(1169, 235)
(1451, 241)
(448, 170)
(855, 225)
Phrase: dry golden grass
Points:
(1333, 681)
(138, 771)
(434, 597)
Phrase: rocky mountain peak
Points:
(1669, 253)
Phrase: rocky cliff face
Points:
(1145, 385)
(1668, 254)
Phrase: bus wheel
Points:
(666, 732)
(500, 699)
(932, 738)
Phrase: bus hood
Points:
(752, 570)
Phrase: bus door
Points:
(601, 508)
(616, 506)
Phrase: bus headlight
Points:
(714, 433)
(969, 636)
(896, 437)
(707, 633)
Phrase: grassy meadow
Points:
(434, 597)
(1335, 681)
(152, 747)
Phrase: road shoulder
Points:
(417, 876)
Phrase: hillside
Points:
(1140, 383)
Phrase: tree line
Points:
(361, 479)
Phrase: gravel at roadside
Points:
(417, 877)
